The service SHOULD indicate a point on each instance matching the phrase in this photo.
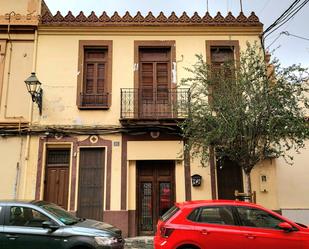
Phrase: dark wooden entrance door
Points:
(229, 179)
(91, 183)
(154, 82)
(156, 192)
(57, 176)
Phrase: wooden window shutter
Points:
(94, 84)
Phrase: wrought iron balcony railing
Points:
(160, 104)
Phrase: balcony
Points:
(148, 105)
(94, 101)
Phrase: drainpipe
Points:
(12, 13)
(30, 115)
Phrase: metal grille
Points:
(58, 157)
(94, 100)
(159, 104)
(146, 209)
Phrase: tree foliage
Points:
(247, 111)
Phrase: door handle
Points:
(204, 232)
(250, 236)
(11, 236)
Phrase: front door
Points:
(156, 192)
(90, 184)
(57, 177)
(154, 83)
(229, 179)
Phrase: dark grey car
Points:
(44, 225)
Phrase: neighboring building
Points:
(107, 145)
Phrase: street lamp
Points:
(34, 88)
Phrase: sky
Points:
(288, 49)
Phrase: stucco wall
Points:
(57, 68)
(11, 166)
(19, 6)
(293, 181)
(204, 191)
(266, 192)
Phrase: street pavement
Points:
(143, 242)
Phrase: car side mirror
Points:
(286, 227)
(49, 225)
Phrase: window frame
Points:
(222, 43)
(104, 44)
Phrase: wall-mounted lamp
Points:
(34, 88)
(196, 180)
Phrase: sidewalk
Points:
(143, 242)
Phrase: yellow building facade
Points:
(107, 145)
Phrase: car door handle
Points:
(11, 236)
(250, 236)
(204, 232)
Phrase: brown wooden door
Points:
(57, 177)
(91, 183)
(154, 82)
(155, 191)
(229, 179)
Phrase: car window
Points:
(254, 217)
(61, 214)
(24, 216)
(1, 216)
(215, 215)
(173, 210)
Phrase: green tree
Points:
(247, 111)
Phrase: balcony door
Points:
(154, 83)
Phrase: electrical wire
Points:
(297, 36)
(293, 13)
(287, 15)
(278, 36)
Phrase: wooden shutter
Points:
(57, 176)
(94, 88)
(154, 82)
(147, 81)
(162, 80)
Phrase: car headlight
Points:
(105, 241)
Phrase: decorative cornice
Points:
(149, 20)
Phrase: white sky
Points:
(289, 49)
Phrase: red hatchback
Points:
(227, 225)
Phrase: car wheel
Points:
(188, 247)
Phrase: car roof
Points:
(18, 202)
(198, 203)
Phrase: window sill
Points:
(94, 107)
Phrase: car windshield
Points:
(63, 215)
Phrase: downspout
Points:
(19, 118)
(12, 13)
(30, 115)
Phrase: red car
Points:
(227, 225)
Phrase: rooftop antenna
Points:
(207, 5)
(241, 6)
